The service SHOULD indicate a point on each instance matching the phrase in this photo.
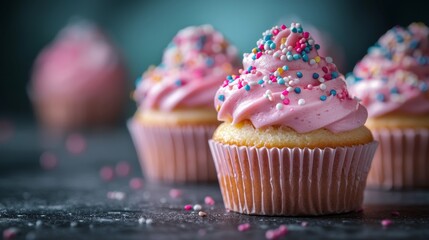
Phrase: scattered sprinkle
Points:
(122, 169)
(297, 90)
(197, 207)
(243, 227)
(304, 224)
(175, 193)
(116, 195)
(279, 106)
(107, 173)
(136, 183)
(221, 98)
(188, 207)
(386, 222)
(141, 220)
(301, 102)
(202, 214)
(276, 233)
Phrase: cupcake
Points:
(392, 81)
(293, 141)
(78, 81)
(175, 116)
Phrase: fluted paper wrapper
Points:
(292, 181)
(402, 159)
(174, 154)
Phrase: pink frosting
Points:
(193, 66)
(286, 83)
(394, 76)
(81, 63)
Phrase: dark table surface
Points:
(72, 201)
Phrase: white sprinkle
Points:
(73, 224)
(311, 41)
(301, 102)
(253, 83)
(276, 73)
(328, 59)
(269, 81)
(197, 207)
(202, 214)
(284, 50)
(291, 82)
(283, 58)
(39, 223)
(290, 48)
(296, 81)
(149, 221)
(322, 86)
(282, 96)
(142, 220)
(279, 106)
(321, 79)
(289, 89)
(265, 78)
(276, 54)
(312, 61)
(289, 57)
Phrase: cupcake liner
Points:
(402, 160)
(174, 154)
(292, 181)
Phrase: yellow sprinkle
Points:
(280, 70)
(283, 40)
(254, 50)
(317, 59)
(217, 108)
(156, 78)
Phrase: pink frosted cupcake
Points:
(78, 81)
(293, 142)
(392, 80)
(175, 117)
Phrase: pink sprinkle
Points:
(106, 173)
(309, 86)
(276, 233)
(136, 183)
(10, 233)
(283, 27)
(286, 101)
(386, 222)
(395, 213)
(225, 83)
(325, 69)
(258, 55)
(122, 169)
(75, 143)
(188, 207)
(285, 92)
(306, 34)
(327, 76)
(175, 193)
(304, 224)
(209, 200)
(48, 161)
(275, 32)
(243, 227)
(261, 47)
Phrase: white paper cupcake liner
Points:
(292, 181)
(402, 160)
(174, 154)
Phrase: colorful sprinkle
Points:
(188, 207)
(386, 222)
(297, 90)
(323, 97)
(301, 102)
(299, 74)
(279, 106)
(209, 201)
(315, 75)
(247, 87)
(243, 227)
(333, 92)
(221, 98)
(202, 214)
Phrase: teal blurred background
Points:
(142, 29)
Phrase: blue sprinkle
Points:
(424, 87)
(178, 82)
(261, 81)
(294, 30)
(323, 97)
(254, 57)
(299, 74)
(315, 76)
(307, 49)
(394, 90)
(249, 68)
(317, 46)
(269, 42)
(414, 44)
(247, 87)
(273, 46)
(209, 62)
(380, 97)
(334, 75)
(296, 56)
(297, 90)
(299, 30)
(281, 81)
(422, 60)
(333, 92)
(229, 77)
(285, 68)
(305, 58)
(221, 98)
(138, 81)
(399, 39)
(268, 37)
(288, 53)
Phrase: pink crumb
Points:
(136, 183)
(395, 213)
(106, 173)
(188, 207)
(386, 222)
(48, 161)
(122, 169)
(76, 143)
(175, 193)
(209, 200)
(243, 227)
(304, 224)
(10, 233)
(276, 233)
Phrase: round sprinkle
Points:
(221, 98)
(380, 97)
(386, 222)
(296, 56)
(136, 183)
(75, 143)
(209, 201)
(322, 86)
(286, 101)
(243, 227)
(202, 214)
(279, 106)
(188, 207)
(328, 59)
(247, 87)
(197, 207)
(301, 102)
(107, 173)
(323, 97)
(297, 90)
(149, 221)
(141, 220)
(333, 92)
(175, 193)
(315, 75)
(285, 68)
(122, 169)
(317, 46)
(299, 74)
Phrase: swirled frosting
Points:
(193, 66)
(285, 82)
(394, 76)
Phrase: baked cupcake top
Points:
(193, 66)
(394, 76)
(285, 82)
(80, 63)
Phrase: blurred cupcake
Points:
(175, 117)
(293, 141)
(78, 81)
(392, 81)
